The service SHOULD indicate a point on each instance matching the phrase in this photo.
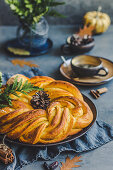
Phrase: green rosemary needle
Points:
(6, 100)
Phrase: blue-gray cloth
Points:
(100, 134)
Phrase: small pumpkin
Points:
(100, 21)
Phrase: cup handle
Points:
(66, 49)
(106, 71)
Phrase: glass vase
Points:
(34, 36)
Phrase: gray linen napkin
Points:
(100, 134)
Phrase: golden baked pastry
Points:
(66, 114)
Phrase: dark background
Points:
(74, 10)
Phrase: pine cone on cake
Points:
(40, 100)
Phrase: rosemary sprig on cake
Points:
(16, 86)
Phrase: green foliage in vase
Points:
(30, 11)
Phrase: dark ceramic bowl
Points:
(87, 66)
(80, 49)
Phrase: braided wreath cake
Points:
(66, 114)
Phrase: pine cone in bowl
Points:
(81, 44)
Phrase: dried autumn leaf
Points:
(86, 31)
(21, 63)
(70, 163)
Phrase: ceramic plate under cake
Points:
(70, 138)
(67, 72)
